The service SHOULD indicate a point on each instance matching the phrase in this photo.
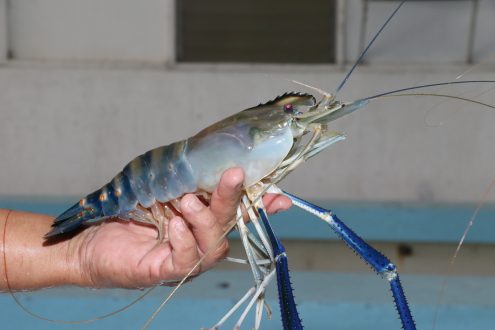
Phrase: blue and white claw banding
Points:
(381, 264)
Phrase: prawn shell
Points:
(161, 174)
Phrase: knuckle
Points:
(188, 246)
(208, 222)
(231, 202)
(190, 268)
(191, 205)
(195, 272)
(221, 251)
(155, 273)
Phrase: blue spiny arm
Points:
(370, 255)
(288, 309)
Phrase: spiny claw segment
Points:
(380, 263)
(288, 309)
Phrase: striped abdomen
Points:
(161, 174)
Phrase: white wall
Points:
(93, 30)
(67, 131)
(67, 127)
(3, 31)
(144, 31)
(423, 31)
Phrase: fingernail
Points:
(238, 177)
(195, 204)
(238, 186)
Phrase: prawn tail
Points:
(86, 210)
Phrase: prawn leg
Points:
(158, 216)
(288, 309)
(259, 273)
(260, 259)
(161, 221)
(381, 264)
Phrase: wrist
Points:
(31, 261)
(78, 270)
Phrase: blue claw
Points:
(380, 263)
(402, 306)
(288, 309)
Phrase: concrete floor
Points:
(325, 300)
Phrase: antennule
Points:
(321, 91)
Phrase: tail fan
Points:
(88, 209)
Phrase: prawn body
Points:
(258, 139)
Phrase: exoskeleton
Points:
(263, 140)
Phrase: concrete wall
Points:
(92, 30)
(3, 31)
(423, 31)
(144, 31)
(67, 131)
(66, 126)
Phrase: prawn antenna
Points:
(325, 94)
(360, 58)
(426, 86)
(445, 96)
(470, 224)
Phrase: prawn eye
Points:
(288, 108)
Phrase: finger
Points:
(141, 230)
(154, 266)
(275, 203)
(225, 198)
(184, 246)
(205, 228)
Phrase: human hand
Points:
(127, 254)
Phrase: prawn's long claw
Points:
(288, 309)
(380, 263)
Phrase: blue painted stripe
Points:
(392, 222)
(386, 222)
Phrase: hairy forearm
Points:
(27, 262)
